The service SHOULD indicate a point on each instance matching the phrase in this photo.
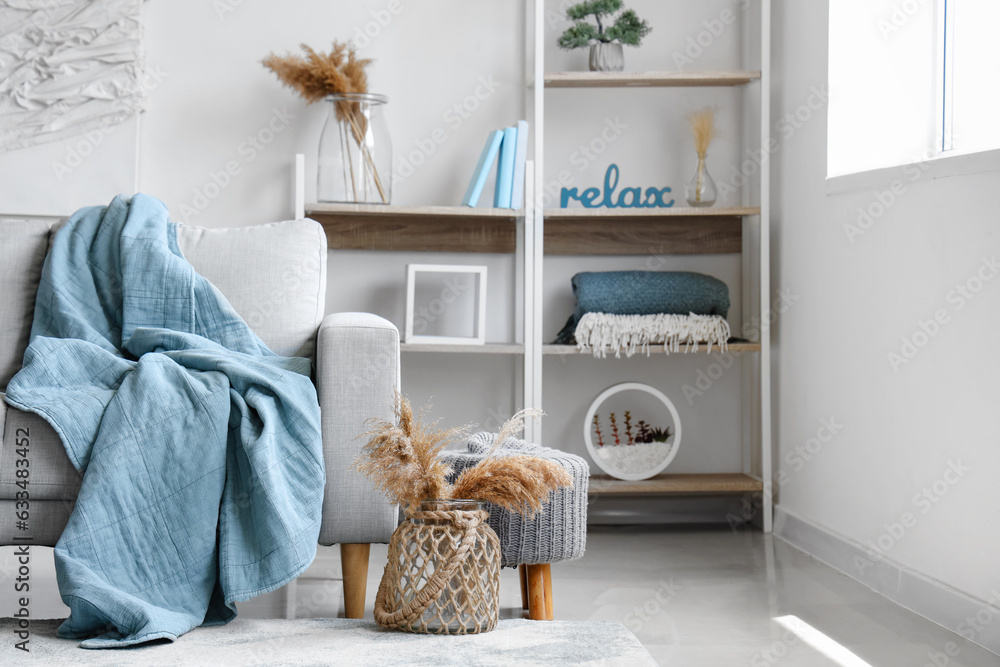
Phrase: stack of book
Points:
(509, 149)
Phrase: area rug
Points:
(336, 641)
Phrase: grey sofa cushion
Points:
(45, 525)
(51, 475)
(273, 275)
(23, 244)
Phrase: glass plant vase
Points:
(701, 190)
(354, 164)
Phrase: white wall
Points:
(902, 428)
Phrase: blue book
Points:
(486, 159)
(520, 159)
(505, 169)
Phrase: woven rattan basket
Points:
(443, 574)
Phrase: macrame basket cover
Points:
(442, 578)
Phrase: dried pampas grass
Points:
(320, 74)
(402, 460)
(518, 483)
(702, 129)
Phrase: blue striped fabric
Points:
(200, 448)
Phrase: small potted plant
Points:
(605, 41)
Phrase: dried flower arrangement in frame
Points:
(627, 448)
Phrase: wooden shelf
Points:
(489, 348)
(648, 79)
(638, 231)
(689, 484)
(568, 231)
(683, 212)
(654, 349)
(381, 211)
(416, 228)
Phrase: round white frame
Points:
(631, 386)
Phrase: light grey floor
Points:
(694, 596)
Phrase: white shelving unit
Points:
(753, 247)
(532, 233)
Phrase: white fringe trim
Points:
(604, 333)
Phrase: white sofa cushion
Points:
(274, 275)
(23, 244)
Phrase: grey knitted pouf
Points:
(559, 530)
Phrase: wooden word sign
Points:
(627, 198)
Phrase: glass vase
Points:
(701, 190)
(354, 163)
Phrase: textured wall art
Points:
(66, 67)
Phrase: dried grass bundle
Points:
(512, 427)
(320, 74)
(518, 483)
(402, 461)
(703, 129)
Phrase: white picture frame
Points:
(412, 273)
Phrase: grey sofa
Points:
(275, 277)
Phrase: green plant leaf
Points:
(593, 8)
(629, 29)
(578, 36)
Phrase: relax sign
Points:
(627, 198)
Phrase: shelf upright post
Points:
(534, 347)
(765, 263)
(300, 186)
(748, 421)
(520, 253)
(525, 240)
(528, 296)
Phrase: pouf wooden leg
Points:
(354, 563)
(536, 593)
(547, 576)
(522, 571)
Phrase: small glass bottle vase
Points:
(701, 190)
(354, 164)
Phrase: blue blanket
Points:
(200, 448)
(644, 293)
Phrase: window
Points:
(970, 98)
(911, 80)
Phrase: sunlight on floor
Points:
(821, 642)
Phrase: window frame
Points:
(943, 160)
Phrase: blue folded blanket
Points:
(200, 448)
(644, 293)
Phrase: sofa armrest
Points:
(357, 374)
